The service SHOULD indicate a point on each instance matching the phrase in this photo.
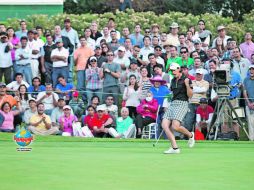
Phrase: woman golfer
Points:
(182, 91)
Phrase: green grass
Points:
(108, 164)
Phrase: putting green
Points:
(108, 164)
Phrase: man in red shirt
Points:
(204, 116)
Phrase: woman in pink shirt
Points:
(66, 121)
(147, 112)
(8, 115)
(15, 42)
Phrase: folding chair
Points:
(150, 130)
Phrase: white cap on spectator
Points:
(220, 28)
(67, 107)
(101, 108)
(174, 66)
(121, 48)
(93, 58)
(251, 66)
(200, 71)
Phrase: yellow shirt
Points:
(35, 118)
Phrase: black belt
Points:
(23, 64)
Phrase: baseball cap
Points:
(31, 99)
(203, 100)
(251, 66)
(121, 48)
(93, 58)
(197, 41)
(67, 107)
(200, 71)
(2, 84)
(59, 40)
(97, 47)
(220, 28)
(75, 94)
(174, 66)
(101, 108)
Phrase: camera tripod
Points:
(219, 116)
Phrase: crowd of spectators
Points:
(114, 82)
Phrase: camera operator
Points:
(5, 58)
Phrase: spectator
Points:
(222, 34)
(32, 110)
(105, 49)
(144, 83)
(48, 98)
(197, 65)
(81, 56)
(5, 58)
(158, 71)
(93, 81)
(249, 98)
(159, 89)
(241, 65)
(23, 97)
(147, 49)
(5, 97)
(172, 37)
(110, 72)
(151, 64)
(14, 40)
(100, 58)
(128, 47)
(111, 108)
(126, 34)
(95, 33)
(59, 57)
(87, 35)
(163, 40)
(155, 41)
(204, 35)
(99, 123)
(23, 60)
(247, 48)
(36, 87)
(200, 88)
(125, 4)
(77, 104)
(46, 62)
(34, 47)
(133, 70)
(173, 57)
(158, 55)
(23, 31)
(136, 56)
(131, 96)
(181, 42)
(14, 85)
(64, 89)
(112, 27)
(220, 47)
(204, 116)
(40, 124)
(137, 36)
(147, 112)
(66, 121)
(185, 71)
(8, 114)
(105, 36)
(113, 44)
(2, 27)
(185, 59)
(201, 53)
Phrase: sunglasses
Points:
(183, 52)
(93, 61)
(147, 31)
(158, 49)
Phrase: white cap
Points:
(251, 66)
(220, 28)
(121, 48)
(101, 108)
(93, 57)
(174, 66)
(200, 71)
(67, 107)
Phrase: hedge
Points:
(130, 18)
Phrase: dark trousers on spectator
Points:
(132, 111)
(140, 122)
(7, 73)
